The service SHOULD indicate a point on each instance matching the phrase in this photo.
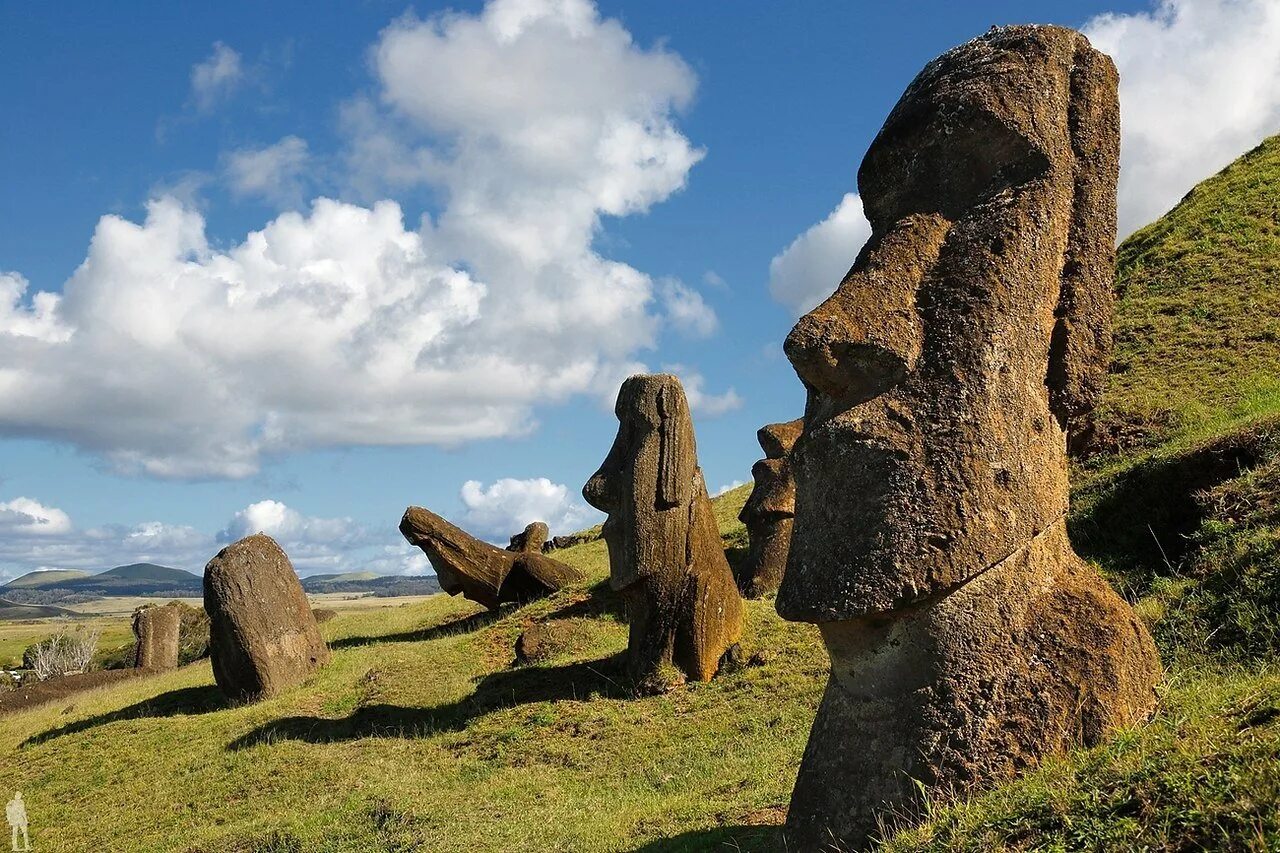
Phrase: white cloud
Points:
(507, 506)
(714, 279)
(343, 327)
(702, 402)
(215, 78)
(810, 269)
(686, 310)
(36, 536)
(1199, 86)
(26, 516)
(730, 487)
(276, 173)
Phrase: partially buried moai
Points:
(769, 511)
(155, 637)
(967, 639)
(666, 557)
(484, 573)
(263, 637)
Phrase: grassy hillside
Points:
(148, 572)
(9, 611)
(48, 577)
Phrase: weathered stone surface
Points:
(770, 510)
(155, 634)
(481, 572)
(532, 538)
(263, 637)
(967, 639)
(665, 553)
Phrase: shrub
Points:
(65, 652)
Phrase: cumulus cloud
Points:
(36, 536)
(276, 173)
(507, 506)
(216, 78)
(701, 401)
(343, 326)
(808, 271)
(728, 488)
(686, 310)
(1199, 86)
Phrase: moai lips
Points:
(967, 639)
(666, 557)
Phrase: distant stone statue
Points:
(533, 538)
(16, 814)
(484, 573)
(155, 634)
(665, 553)
(967, 639)
(263, 638)
(769, 511)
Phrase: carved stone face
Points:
(648, 480)
(944, 371)
(770, 510)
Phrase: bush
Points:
(65, 652)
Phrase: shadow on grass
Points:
(187, 701)
(495, 692)
(461, 625)
(739, 839)
(600, 600)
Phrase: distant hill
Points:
(46, 577)
(10, 611)
(341, 578)
(133, 579)
(148, 572)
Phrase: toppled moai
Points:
(263, 637)
(967, 639)
(155, 635)
(484, 573)
(533, 538)
(666, 557)
(769, 511)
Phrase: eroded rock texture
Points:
(770, 510)
(533, 538)
(263, 637)
(484, 573)
(967, 639)
(155, 634)
(665, 553)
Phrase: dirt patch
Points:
(31, 695)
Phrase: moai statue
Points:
(967, 640)
(532, 539)
(263, 637)
(155, 634)
(769, 511)
(484, 573)
(666, 557)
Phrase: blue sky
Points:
(520, 202)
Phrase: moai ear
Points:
(1081, 342)
(676, 455)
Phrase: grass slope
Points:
(10, 611)
(148, 572)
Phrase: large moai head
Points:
(970, 333)
(770, 510)
(648, 481)
(484, 573)
(263, 637)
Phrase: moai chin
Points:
(665, 552)
(967, 640)
(769, 511)
(484, 573)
